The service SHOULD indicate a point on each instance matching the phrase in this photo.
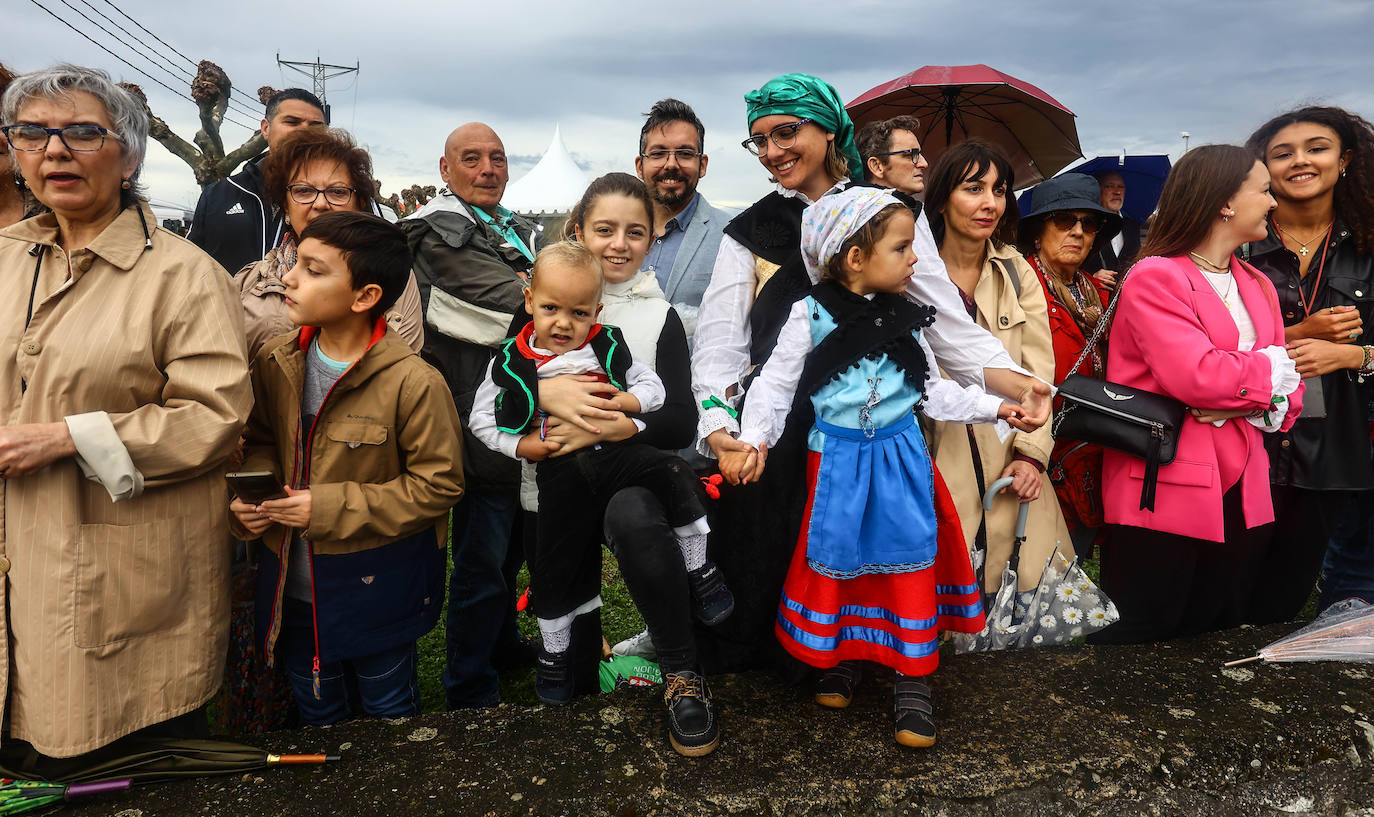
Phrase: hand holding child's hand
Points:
(1034, 410)
(1008, 410)
(293, 510)
(252, 520)
(739, 463)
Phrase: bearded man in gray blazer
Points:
(671, 161)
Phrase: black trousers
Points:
(651, 563)
(1290, 561)
(1169, 586)
(574, 492)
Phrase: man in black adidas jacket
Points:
(234, 223)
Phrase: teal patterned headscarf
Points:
(808, 97)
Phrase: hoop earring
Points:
(1225, 218)
(1342, 173)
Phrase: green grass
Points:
(619, 620)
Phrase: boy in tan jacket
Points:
(365, 438)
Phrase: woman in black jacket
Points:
(1320, 255)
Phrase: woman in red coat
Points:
(1064, 227)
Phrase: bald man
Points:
(471, 256)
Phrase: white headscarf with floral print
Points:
(828, 223)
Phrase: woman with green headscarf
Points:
(802, 135)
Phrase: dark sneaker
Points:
(553, 681)
(914, 713)
(693, 728)
(835, 687)
(712, 601)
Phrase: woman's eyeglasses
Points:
(80, 138)
(1065, 221)
(784, 136)
(305, 194)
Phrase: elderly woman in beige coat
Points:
(968, 204)
(123, 388)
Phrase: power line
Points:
(240, 109)
(126, 62)
(151, 34)
(126, 16)
(151, 50)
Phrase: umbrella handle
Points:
(82, 789)
(1021, 512)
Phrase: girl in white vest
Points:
(669, 582)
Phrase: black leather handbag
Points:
(1122, 418)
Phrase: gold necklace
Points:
(1212, 265)
(1302, 245)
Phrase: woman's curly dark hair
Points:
(1354, 193)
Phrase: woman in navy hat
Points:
(1066, 225)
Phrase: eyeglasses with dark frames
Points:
(79, 138)
(306, 194)
(684, 156)
(784, 136)
(914, 154)
(1065, 221)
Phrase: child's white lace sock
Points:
(692, 539)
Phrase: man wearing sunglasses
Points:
(687, 228)
(892, 154)
(234, 222)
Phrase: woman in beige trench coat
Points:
(123, 388)
(971, 216)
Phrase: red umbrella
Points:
(955, 102)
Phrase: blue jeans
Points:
(478, 599)
(387, 683)
(1348, 569)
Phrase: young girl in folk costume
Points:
(880, 565)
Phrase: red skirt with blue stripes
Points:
(894, 619)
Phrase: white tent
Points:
(553, 186)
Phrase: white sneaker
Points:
(640, 645)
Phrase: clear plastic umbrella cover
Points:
(1064, 605)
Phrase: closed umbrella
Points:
(145, 759)
(1064, 605)
(1343, 632)
(955, 102)
(25, 796)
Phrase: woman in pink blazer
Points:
(1199, 325)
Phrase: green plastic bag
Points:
(624, 671)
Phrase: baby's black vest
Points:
(517, 376)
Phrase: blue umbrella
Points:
(1144, 177)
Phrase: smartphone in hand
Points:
(255, 487)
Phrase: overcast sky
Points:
(1136, 75)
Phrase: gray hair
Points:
(126, 112)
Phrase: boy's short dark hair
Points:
(299, 94)
(374, 250)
